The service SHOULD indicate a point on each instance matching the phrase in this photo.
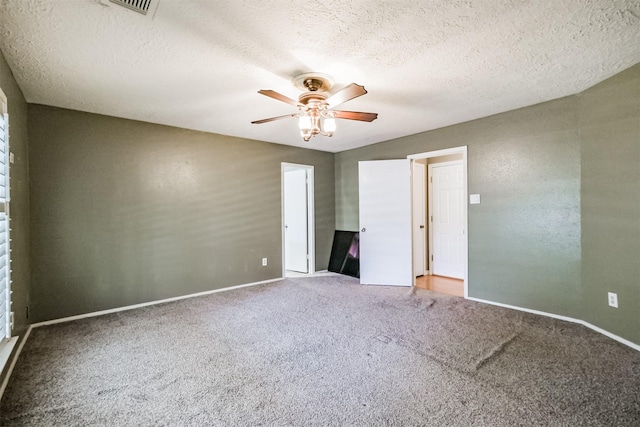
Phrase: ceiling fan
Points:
(316, 115)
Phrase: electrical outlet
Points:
(264, 262)
(613, 299)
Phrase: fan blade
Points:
(271, 119)
(355, 115)
(349, 92)
(280, 97)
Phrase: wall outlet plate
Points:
(264, 262)
(613, 299)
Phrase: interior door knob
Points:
(363, 229)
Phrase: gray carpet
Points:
(322, 351)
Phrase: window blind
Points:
(5, 282)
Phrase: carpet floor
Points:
(322, 351)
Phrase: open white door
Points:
(385, 222)
(295, 220)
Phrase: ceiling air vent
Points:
(140, 6)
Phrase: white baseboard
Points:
(146, 304)
(5, 351)
(565, 318)
(14, 360)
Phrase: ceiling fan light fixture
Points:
(306, 127)
(313, 123)
(316, 114)
(304, 122)
(329, 126)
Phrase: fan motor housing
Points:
(313, 82)
(310, 97)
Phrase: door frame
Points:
(438, 153)
(422, 187)
(311, 239)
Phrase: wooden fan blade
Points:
(280, 97)
(271, 119)
(355, 115)
(346, 94)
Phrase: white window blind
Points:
(5, 276)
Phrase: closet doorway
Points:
(298, 240)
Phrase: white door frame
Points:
(311, 238)
(448, 151)
(421, 186)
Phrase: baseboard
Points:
(322, 272)
(13, 362)
(565, 318)
(5, 353)
(146, 304)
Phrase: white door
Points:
(295, 221)
(385, 222)
(448, 219)
(419, 230)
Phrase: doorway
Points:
(298, 239)
(386, 219)
(446, 254)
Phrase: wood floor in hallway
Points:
(445, 285)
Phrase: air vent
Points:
(140, 6)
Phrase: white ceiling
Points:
(426, 64)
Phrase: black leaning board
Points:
(341, 261)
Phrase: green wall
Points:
(125, 212)
(526, 238)
(610, 134)
(19, 171)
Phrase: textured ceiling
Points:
(199, 64)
